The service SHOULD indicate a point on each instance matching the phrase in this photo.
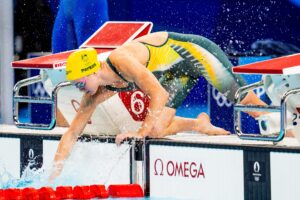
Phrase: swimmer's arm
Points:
(134, 71)
(87, 106)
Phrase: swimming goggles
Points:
(80, 84)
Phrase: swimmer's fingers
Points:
(121, 137)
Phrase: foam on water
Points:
(99, 166)
(6, 179)
(88, 164)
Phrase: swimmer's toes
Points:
(217, 131)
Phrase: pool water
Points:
(38, 177)
(72, 176)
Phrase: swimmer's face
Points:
(87, 84)
(80, 83)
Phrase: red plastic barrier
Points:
(99, 191)
(14, 194)
(67, 192)
(132, 190)
(30, 194)
(64, 192)
(47, 193)
(2, 195)
(83, 192)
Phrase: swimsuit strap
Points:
(115, 70)
(131, 86)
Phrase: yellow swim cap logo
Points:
(88, 68)
(84, 58)
(81, 63)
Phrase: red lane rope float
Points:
(64, 192)
(15, 194)
(68, 192)
(83, 192)
(99, 191)
(2, 195)
(131, 190)
(30, 194)
(47, 193)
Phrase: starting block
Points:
(108, 37)
(288, 69)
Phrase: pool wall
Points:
(95, 155)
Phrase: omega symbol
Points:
(158, 167)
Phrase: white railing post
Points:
(6, 57)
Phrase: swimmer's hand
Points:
(121, 137)
(55, 171)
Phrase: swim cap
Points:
(81, 63)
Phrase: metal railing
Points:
(282, 109)
(17, 98)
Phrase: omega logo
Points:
(158, 167)
(184, 169)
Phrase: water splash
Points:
(89, 163)
(6, 179)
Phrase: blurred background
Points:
(234, 25)
(247, 30)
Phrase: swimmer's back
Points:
(156, 39)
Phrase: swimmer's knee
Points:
(169, 111)
(155, 132)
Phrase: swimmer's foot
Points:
(204, 126)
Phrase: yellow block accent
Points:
(161, 57)
(199, 56)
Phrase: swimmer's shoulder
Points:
(156, 38)
(137, 48)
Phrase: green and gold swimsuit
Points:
(181, 60)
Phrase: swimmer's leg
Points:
(252, 99)
(214, 66)
(169, 124)
(201, 124)
(208, 60)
